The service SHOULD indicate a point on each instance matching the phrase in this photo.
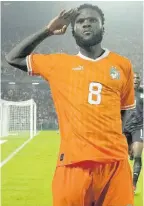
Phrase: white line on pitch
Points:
(3, 141)
(14, 153)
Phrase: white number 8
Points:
(94, 92)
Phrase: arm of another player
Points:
(127, 94)
(124, 115)
(58, 26)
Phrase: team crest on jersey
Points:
(114, 73)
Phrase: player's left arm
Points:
(127, 94)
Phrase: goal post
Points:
(3, 119)
(18, 118)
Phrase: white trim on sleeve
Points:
(128, 107)
(28, 63)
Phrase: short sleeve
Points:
(40, 64)
(127, 93)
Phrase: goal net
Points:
(18, 118)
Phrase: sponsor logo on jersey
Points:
(114, 73)
(78, 68)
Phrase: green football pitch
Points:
(26, 177)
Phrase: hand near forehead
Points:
(60, 23)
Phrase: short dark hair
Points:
(89, 6)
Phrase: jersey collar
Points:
(105, 54)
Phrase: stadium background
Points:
(123, 34)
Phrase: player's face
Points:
(88, 28)
(136, 81)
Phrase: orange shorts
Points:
(93, 184)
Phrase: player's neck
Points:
(92, 52)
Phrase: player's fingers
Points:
(75, 11)
(71, 11)
(67, 14)
(73, 14)
(62, 13)
(57, 32)
(63, 30)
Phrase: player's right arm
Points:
(17, 56)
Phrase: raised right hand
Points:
(59, 24)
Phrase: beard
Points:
(96, 39)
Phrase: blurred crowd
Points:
(46, 115)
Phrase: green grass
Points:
(12, 143)
(27, 177)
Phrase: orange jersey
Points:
(88, 96)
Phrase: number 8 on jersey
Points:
(93, 92)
